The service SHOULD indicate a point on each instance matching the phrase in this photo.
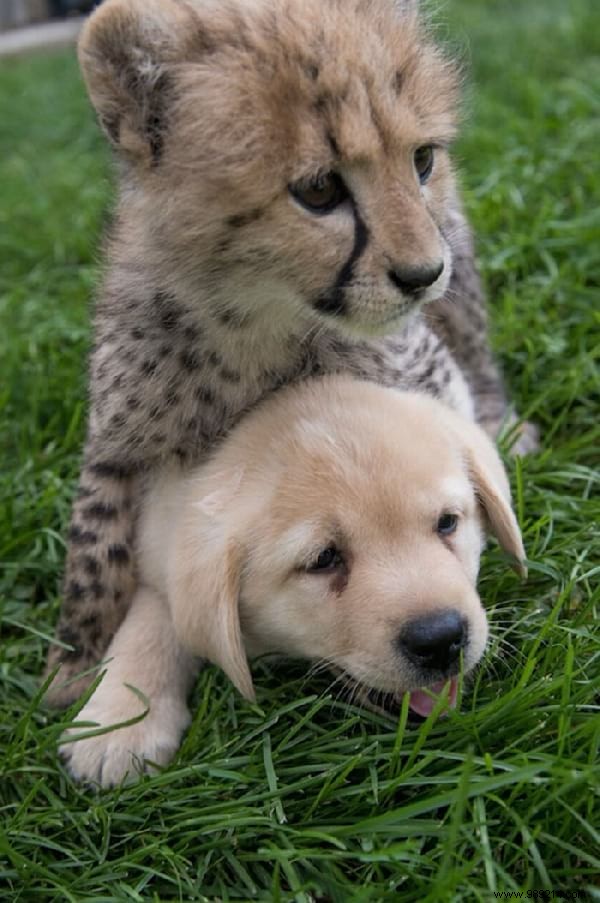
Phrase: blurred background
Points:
(19, 13)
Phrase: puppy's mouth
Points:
(421, 703)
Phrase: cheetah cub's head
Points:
(281, 152)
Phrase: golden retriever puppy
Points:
(341, 522)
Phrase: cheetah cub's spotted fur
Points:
(287, 205)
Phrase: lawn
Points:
(302, 797)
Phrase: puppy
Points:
(340, 522)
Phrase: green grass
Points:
(301, 797)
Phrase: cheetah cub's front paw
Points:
(523, 438)
(527, 440)
(125, 752)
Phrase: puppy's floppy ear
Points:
(203, 588)
(492, 487)
(488, 476)
(126, 52)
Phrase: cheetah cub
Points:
(287, 207)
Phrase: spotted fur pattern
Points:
(219, 289)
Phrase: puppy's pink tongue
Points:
(423, 702)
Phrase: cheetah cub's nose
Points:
(411, 280)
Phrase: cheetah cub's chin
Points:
(340, 522)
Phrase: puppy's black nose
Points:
(412, 279)
(434, 641)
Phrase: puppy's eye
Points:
(327, 560)
(322, 194)
(423, 160)
(447, 524)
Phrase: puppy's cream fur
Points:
(225, 555)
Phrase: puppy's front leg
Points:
(146, 655)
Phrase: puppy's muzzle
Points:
(433, 643)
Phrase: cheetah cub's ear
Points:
(125, 52)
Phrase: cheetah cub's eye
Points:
(423, 159)
(327, 560)
(320, 195)
(447, 524)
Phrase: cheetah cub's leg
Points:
(146, 655)
(99, 575)
(460, 319)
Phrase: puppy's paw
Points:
(127, 752)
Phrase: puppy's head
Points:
(296, 150)
(344, 522)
